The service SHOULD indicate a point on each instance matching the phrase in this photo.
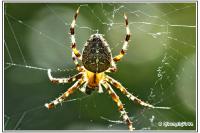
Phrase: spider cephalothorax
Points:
(97, 60)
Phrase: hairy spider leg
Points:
(116, 99)
(125, 44)
(64, 80)
(64, 95)
(129, 95)
(73, 41)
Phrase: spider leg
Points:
(73, 41)
(64, 95)
(116, 99)
(64, 80)
(83, 88)
(125, 45)
(78, 66)
(129, 95)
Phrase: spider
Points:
(96, 60)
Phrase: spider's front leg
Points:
(125, 45)
(64, 80)
(64, 95)
(75, 53)
(116, 99)
(72, 33)
(129, 95)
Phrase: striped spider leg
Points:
(125, 44)
(75, 53)
(116, 99)
(128, 94)
(64, 80)
(75, 56)
(77, 84)
(72, 33)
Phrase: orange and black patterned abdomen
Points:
(96, 55)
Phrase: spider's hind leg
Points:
(116, 99)
(64, 95)
(129, 95)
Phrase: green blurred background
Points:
(159, 67)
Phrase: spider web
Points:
(159, 67)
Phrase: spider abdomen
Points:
(96, 55)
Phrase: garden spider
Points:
(96, 59)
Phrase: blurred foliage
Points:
(159, 66)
